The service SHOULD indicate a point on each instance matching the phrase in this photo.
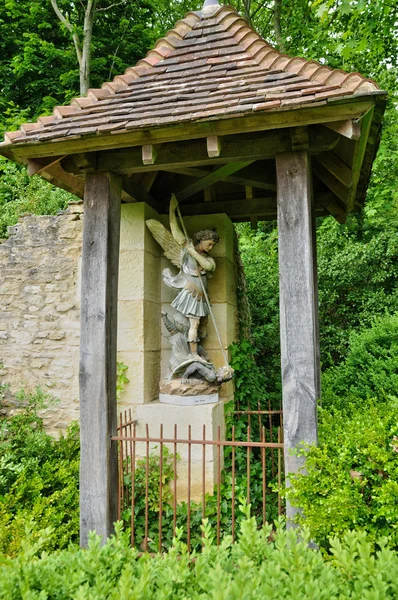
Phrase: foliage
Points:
(358, 269)
(39, 478)
(352, 479)
(370, 369)
(121, 379)
(258, 566)
(257, 365)
(20, 194)
(358, 274)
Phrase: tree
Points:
(82, 46)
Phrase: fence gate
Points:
(169, 483)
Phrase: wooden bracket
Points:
(36, 166)
(350, 129)
(214, 144)
(149, 154)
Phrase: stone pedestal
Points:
(206, 420)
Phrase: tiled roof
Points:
(212, 65)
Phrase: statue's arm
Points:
(206, 262)
(175, 228)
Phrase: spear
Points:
(205, 294)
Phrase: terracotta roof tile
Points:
(211, 65)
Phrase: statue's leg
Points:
(193, 334)
(203, 327)
(193, 329)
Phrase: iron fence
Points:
(169, 483)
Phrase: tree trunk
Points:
(83, 50)
(85, 66)
(246, 11)
(277, 25)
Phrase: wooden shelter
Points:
(218, 116)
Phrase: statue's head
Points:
(206, 239)
(224, 374)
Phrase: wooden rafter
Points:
(330, 180)
(248, 176)
(358, 157)
(217, 175)
(134, 192)
(55, 174)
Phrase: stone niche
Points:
(40, 266)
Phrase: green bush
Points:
(352, 478)
(262, 564)
(370, 369)
(39, 478)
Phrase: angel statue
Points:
(192, 301)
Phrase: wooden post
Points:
(100, 265)
(298, 308)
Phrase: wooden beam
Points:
(330, 180)
(254, 176)
(350, 129)
(241, 209)
(209, 194)
(56, 175)
(250, 176)
(267, 121)
(134, 192)
(147, 179)
(214, 145)
(298, 309)
(211, 179)
(249, 192)
(36, 166)
(235, 149)
(332, 204)
(336, 167)
(98, 419)
(359, 154)
(189, 171)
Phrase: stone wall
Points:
(39, 310)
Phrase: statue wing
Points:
(171, 249)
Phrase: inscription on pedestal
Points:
(188, 400)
